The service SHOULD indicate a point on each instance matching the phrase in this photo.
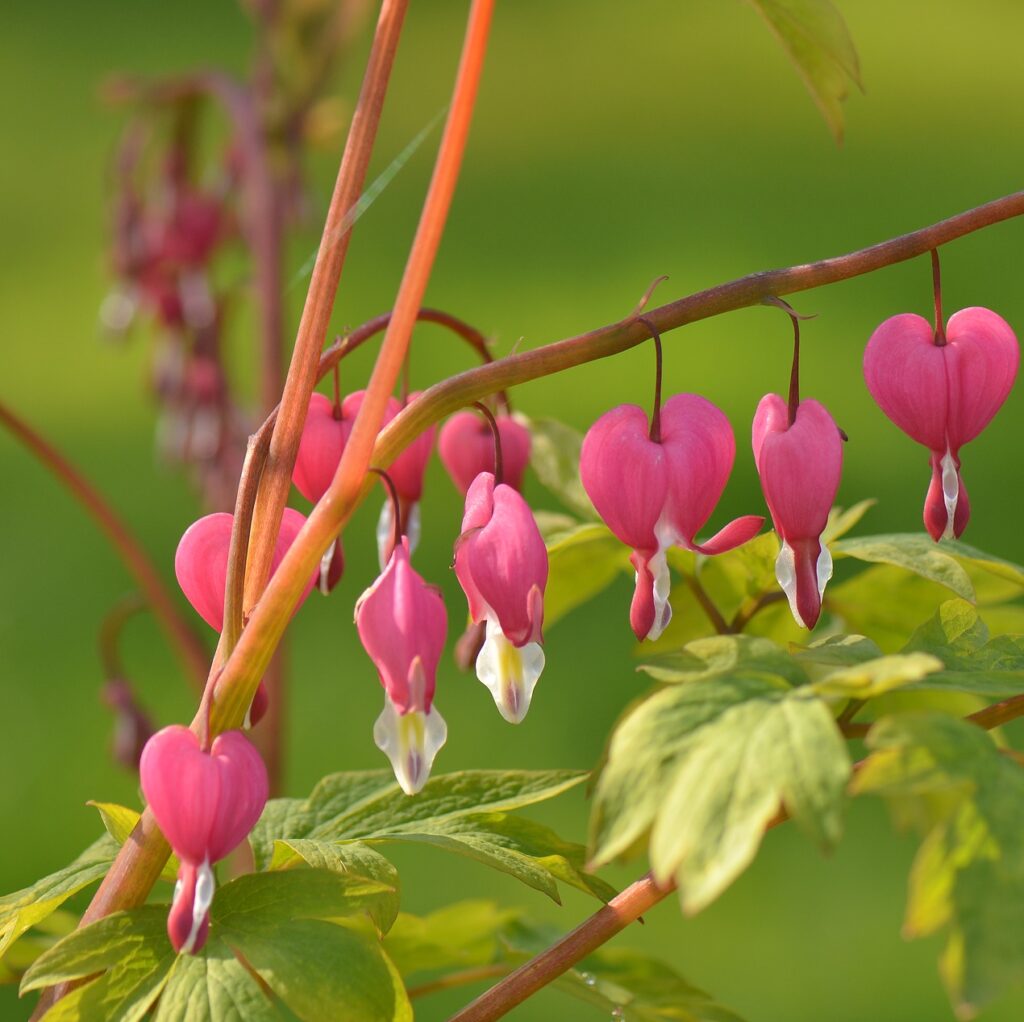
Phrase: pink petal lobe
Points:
(641, 609)
(699, 453)
(408, 469)
(736, 533)
(982, 356)
(466, 448)
(320, 449)
(243, 788)
(906, 374)
(808, 589)
(625, 475)
(201, 566)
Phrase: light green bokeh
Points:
(613, 142)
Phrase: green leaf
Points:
(555, 457)
(842, 520)
(968, 876)
(354, 860)
(283, 895)
(213, 986)
(27, 907)
(722, 655)
(705, 766)
(133, 946)
(626, 984)
(462, 813)
(528, 851)
(363, 805)
(838, 651)
(278, 921)
(321, 970)
(817, 41)
(914, 552)
(989, 563)
(120, 822)
(458, 936)
(973, 663)
(581, 564)
(99, 946)
(874, 677)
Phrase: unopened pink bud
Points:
(502, 565)
(402, 625)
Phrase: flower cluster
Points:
(655, 481)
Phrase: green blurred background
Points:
(613, 142)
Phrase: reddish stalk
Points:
(316, 314)
(140, 859)
(241, 673)
(185, 643)
(499, 461)
(940, 325)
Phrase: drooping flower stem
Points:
(940, 326)
(499, 465)
(655, 433)
(794, 374)
(396, 504)
(186, 644)
(284, 444)
(336, 391)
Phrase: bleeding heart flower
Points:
(799, 466)
(942, 395)
(402, 625)
(654, 494)
(201, 561)
(323, 442)
(201, 566)
(502, 565)
(466, 447)
(205, 803)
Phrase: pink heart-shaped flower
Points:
(466, 447)
(201, 561)
(204, 802)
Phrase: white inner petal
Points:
(412, 526)
(785, 573)
(510, 673)
(824, 568)
(950, 491)
(385, 532)
(410, 741)
(325, 569)
(201, 902)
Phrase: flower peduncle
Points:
(499, 464)
(940, 328)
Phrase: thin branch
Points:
(714, 615)
(183, 640)
(751, 608)
(323, 286)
